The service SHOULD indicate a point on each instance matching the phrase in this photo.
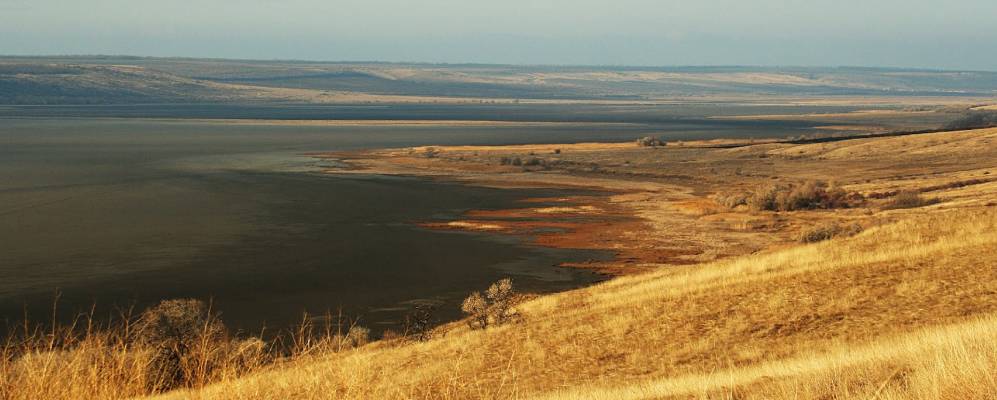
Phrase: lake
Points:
(119, 212)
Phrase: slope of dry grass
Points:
(834, 319)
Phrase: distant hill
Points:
(36, 83)
(107, 80)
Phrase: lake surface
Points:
(119, 212)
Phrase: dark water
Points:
(130, 211)
(127, 211)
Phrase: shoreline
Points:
(664, 206)
(647, 224)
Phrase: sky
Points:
(949, 34)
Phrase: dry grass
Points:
(903, 311)
(908, 199)
(123, 359)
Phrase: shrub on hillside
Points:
(476, 308)
(829, 231)
(419, 322)
(494, 307)
(908, 199)
(764, 199)
(814, 195)
(808, 196)
(186, 339)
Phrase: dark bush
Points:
(419, 322)
(183, 334)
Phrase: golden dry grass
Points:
(904, 311)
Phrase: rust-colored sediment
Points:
(575, 222)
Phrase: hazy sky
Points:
(958, 34)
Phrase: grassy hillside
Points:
(906, 309)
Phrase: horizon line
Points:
(520, 65)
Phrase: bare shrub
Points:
(505, 161)
(909, 199)
(476, 307)
(185, 337)
(516, 161)
(419, 322)
(808, 196)
(650, 141)
(431, 152)
(826, 232)
(492, 308)
(813, 195)
(500, 295)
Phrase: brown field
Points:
(709, 301)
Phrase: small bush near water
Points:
(419, 322)
(494, 307)
(184, 336)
